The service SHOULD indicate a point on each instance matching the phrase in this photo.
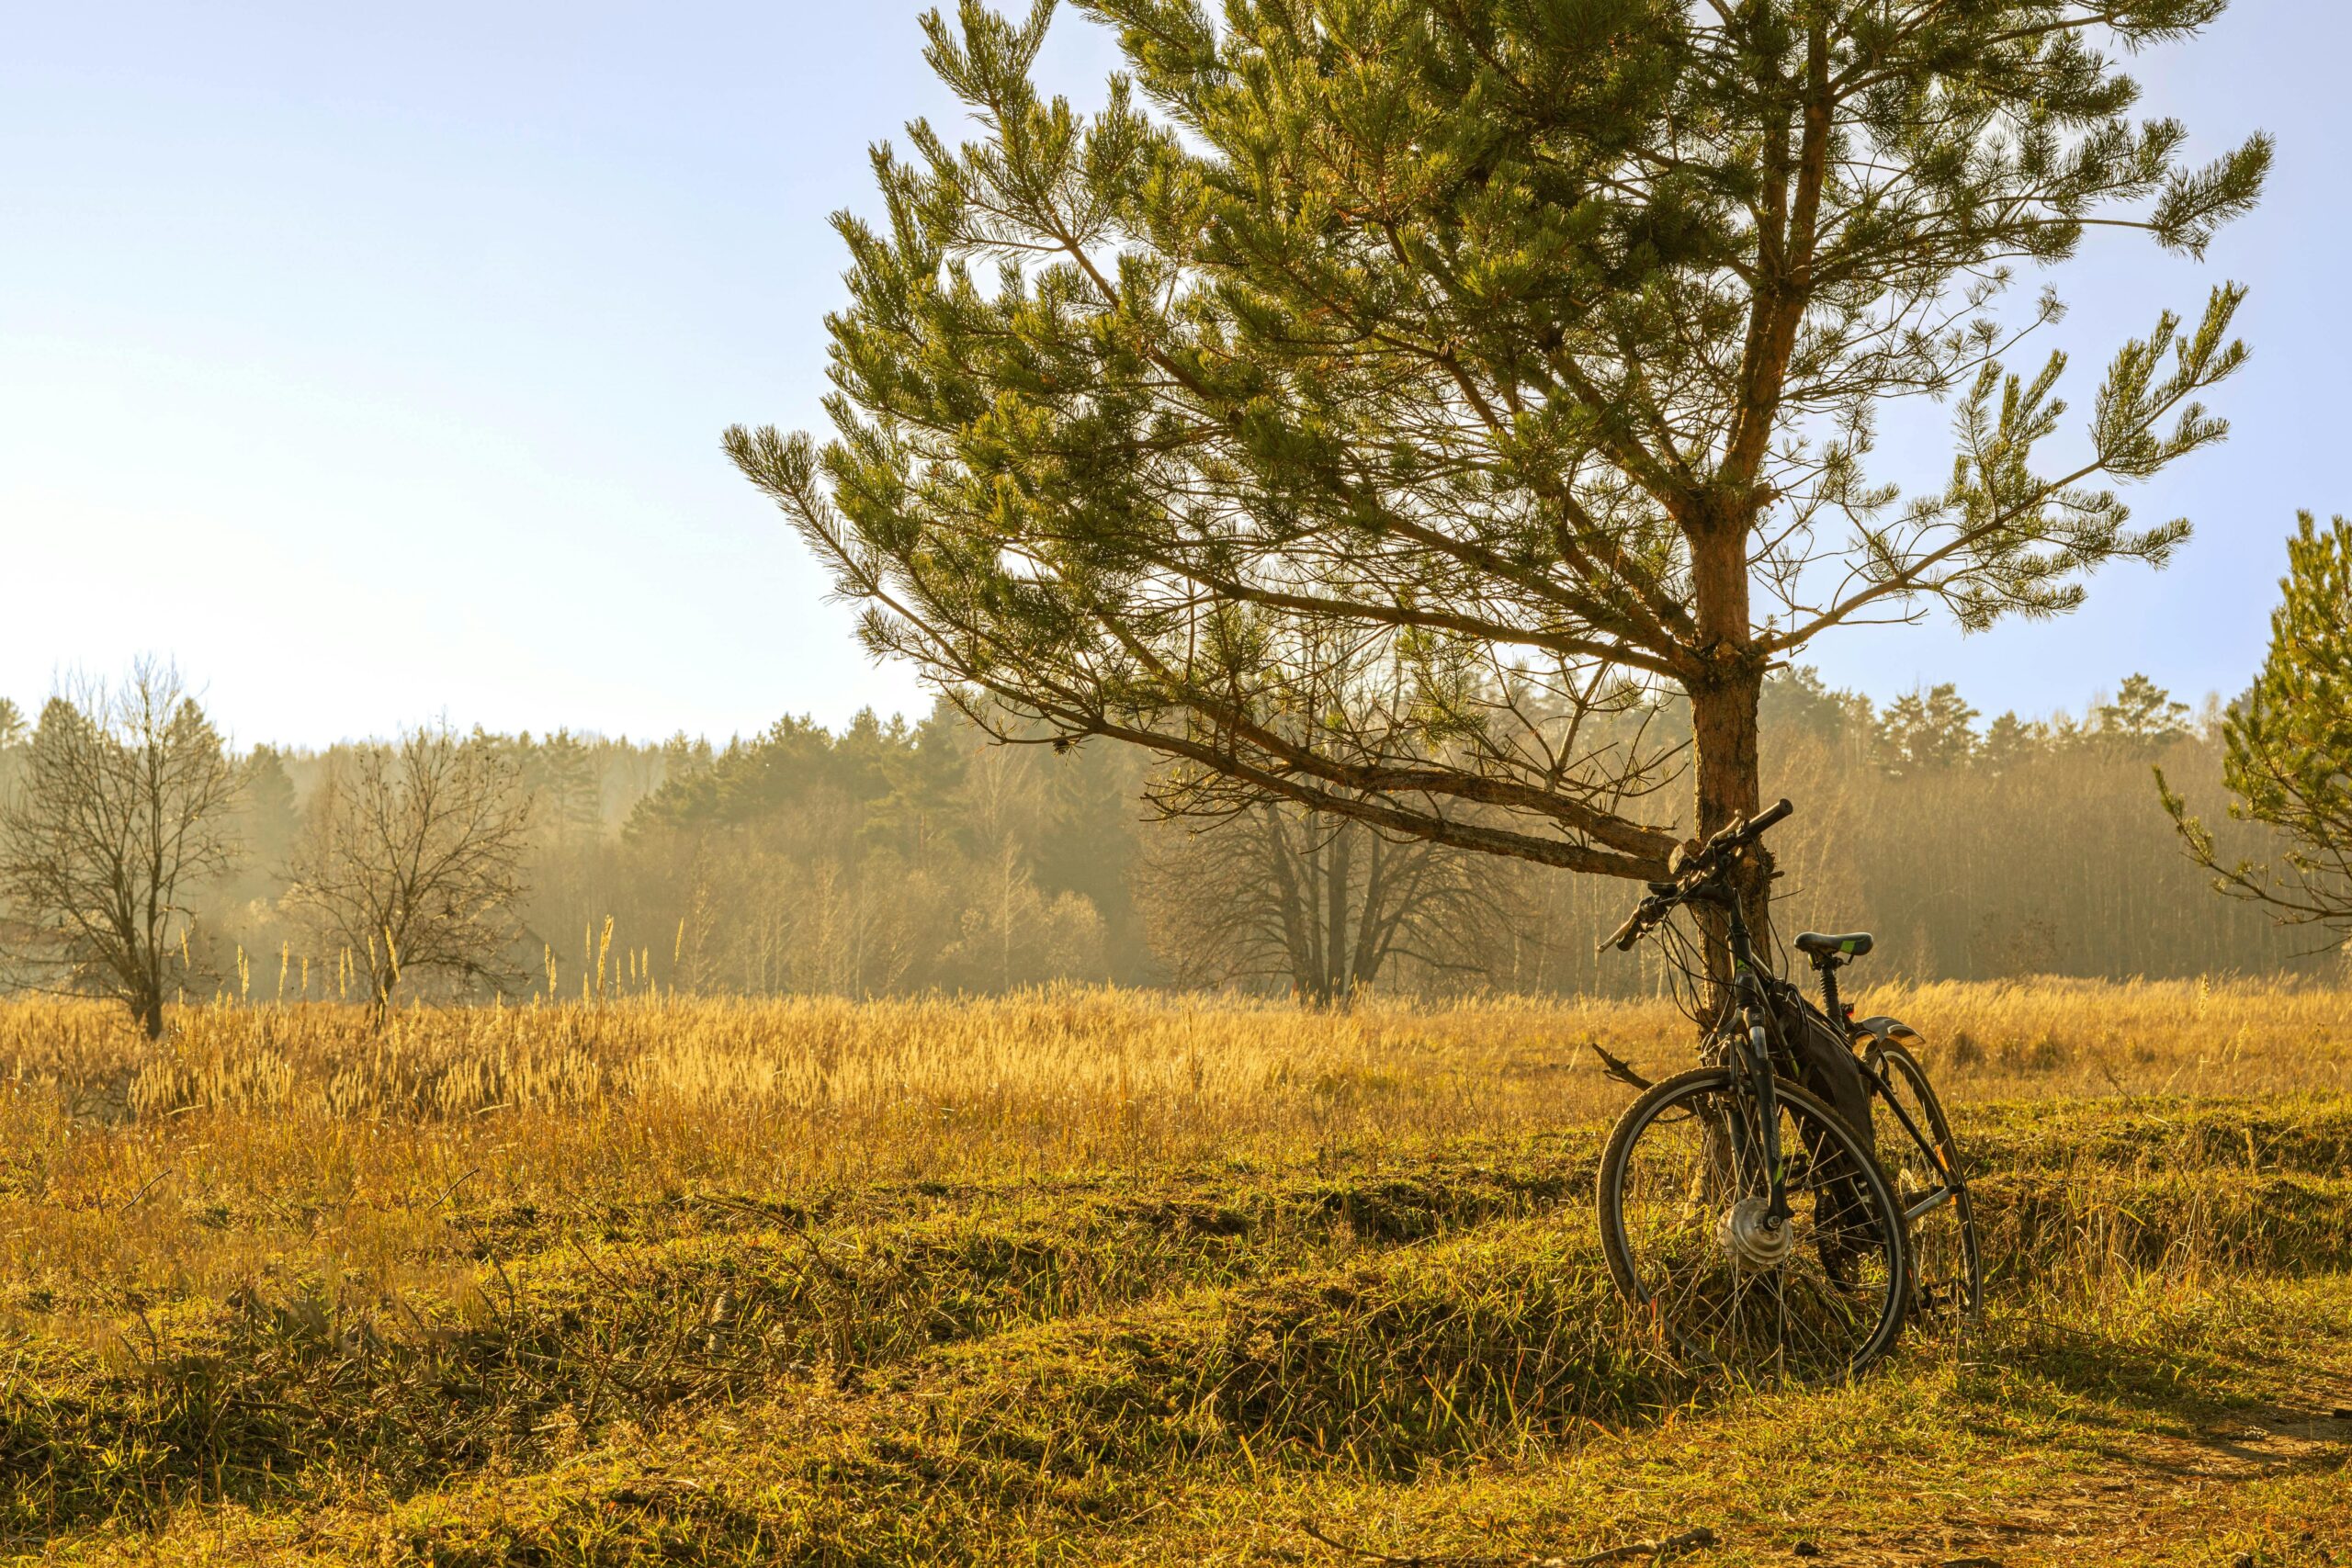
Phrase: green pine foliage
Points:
(2287, 757)
(2143, 719)
(1531, 351)
(1929, 729)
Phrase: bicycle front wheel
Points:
(1685, 1220)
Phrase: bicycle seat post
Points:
(1827, 964)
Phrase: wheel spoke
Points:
(1812, 1298)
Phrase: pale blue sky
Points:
(372, 360)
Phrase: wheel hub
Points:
(1748, 1235)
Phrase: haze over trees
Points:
(1537, 352)
(2288, 747)
(890, 859)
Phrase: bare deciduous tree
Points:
(1320, 904)
(121, 805)
(411, 857)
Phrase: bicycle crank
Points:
(1748, 1235)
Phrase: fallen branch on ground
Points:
(1622, 1071)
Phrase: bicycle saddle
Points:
(1852, 944)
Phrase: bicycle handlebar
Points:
(1694, 870)
(1625, 936)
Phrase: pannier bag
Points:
(1826, 1065)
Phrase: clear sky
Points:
(372, 360)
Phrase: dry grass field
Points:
(1089, 1276)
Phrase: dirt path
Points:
(2272, 1492)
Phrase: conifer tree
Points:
(2286, 759)
(268, 816)
(2142, 720)
(1535, 346)
(1926, 731)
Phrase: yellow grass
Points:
(329, 1143)
(475, 1177)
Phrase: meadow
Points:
(1084, 1275)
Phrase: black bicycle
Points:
(1747, 1208)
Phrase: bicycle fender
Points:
(1882, 1029)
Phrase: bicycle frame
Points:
(1755, 1061)
(1750, 995)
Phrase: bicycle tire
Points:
(1946, 1255)
(1686, 1263)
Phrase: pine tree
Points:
(1934, 730)
(269, 821)
(2287, 757)
(2142, 720)
(2010, 742)
(920, 818)
(564, 775)
(1537, 347)
(1798, 701)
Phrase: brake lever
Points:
(1646, 914)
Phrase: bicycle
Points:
(1916, 1150)
(1743, 1211)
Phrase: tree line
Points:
(143, 857)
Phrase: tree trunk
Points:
(1726, 768)
(1724, 733)
(380, 981)
(1374, 925)
(1295, 911)
(1338, 850)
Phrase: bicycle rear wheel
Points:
(1684, 1198)
(1930, 1182)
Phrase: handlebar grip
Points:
(1770, 815)
(1644, 914)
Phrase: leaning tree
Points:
(1538, 345)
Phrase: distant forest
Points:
(891, 858)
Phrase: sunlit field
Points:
(1091, 1275)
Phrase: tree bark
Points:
(1729, 778)
(1338, 852)
(1729, 677)
(1293, 900)
(1725, 693)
